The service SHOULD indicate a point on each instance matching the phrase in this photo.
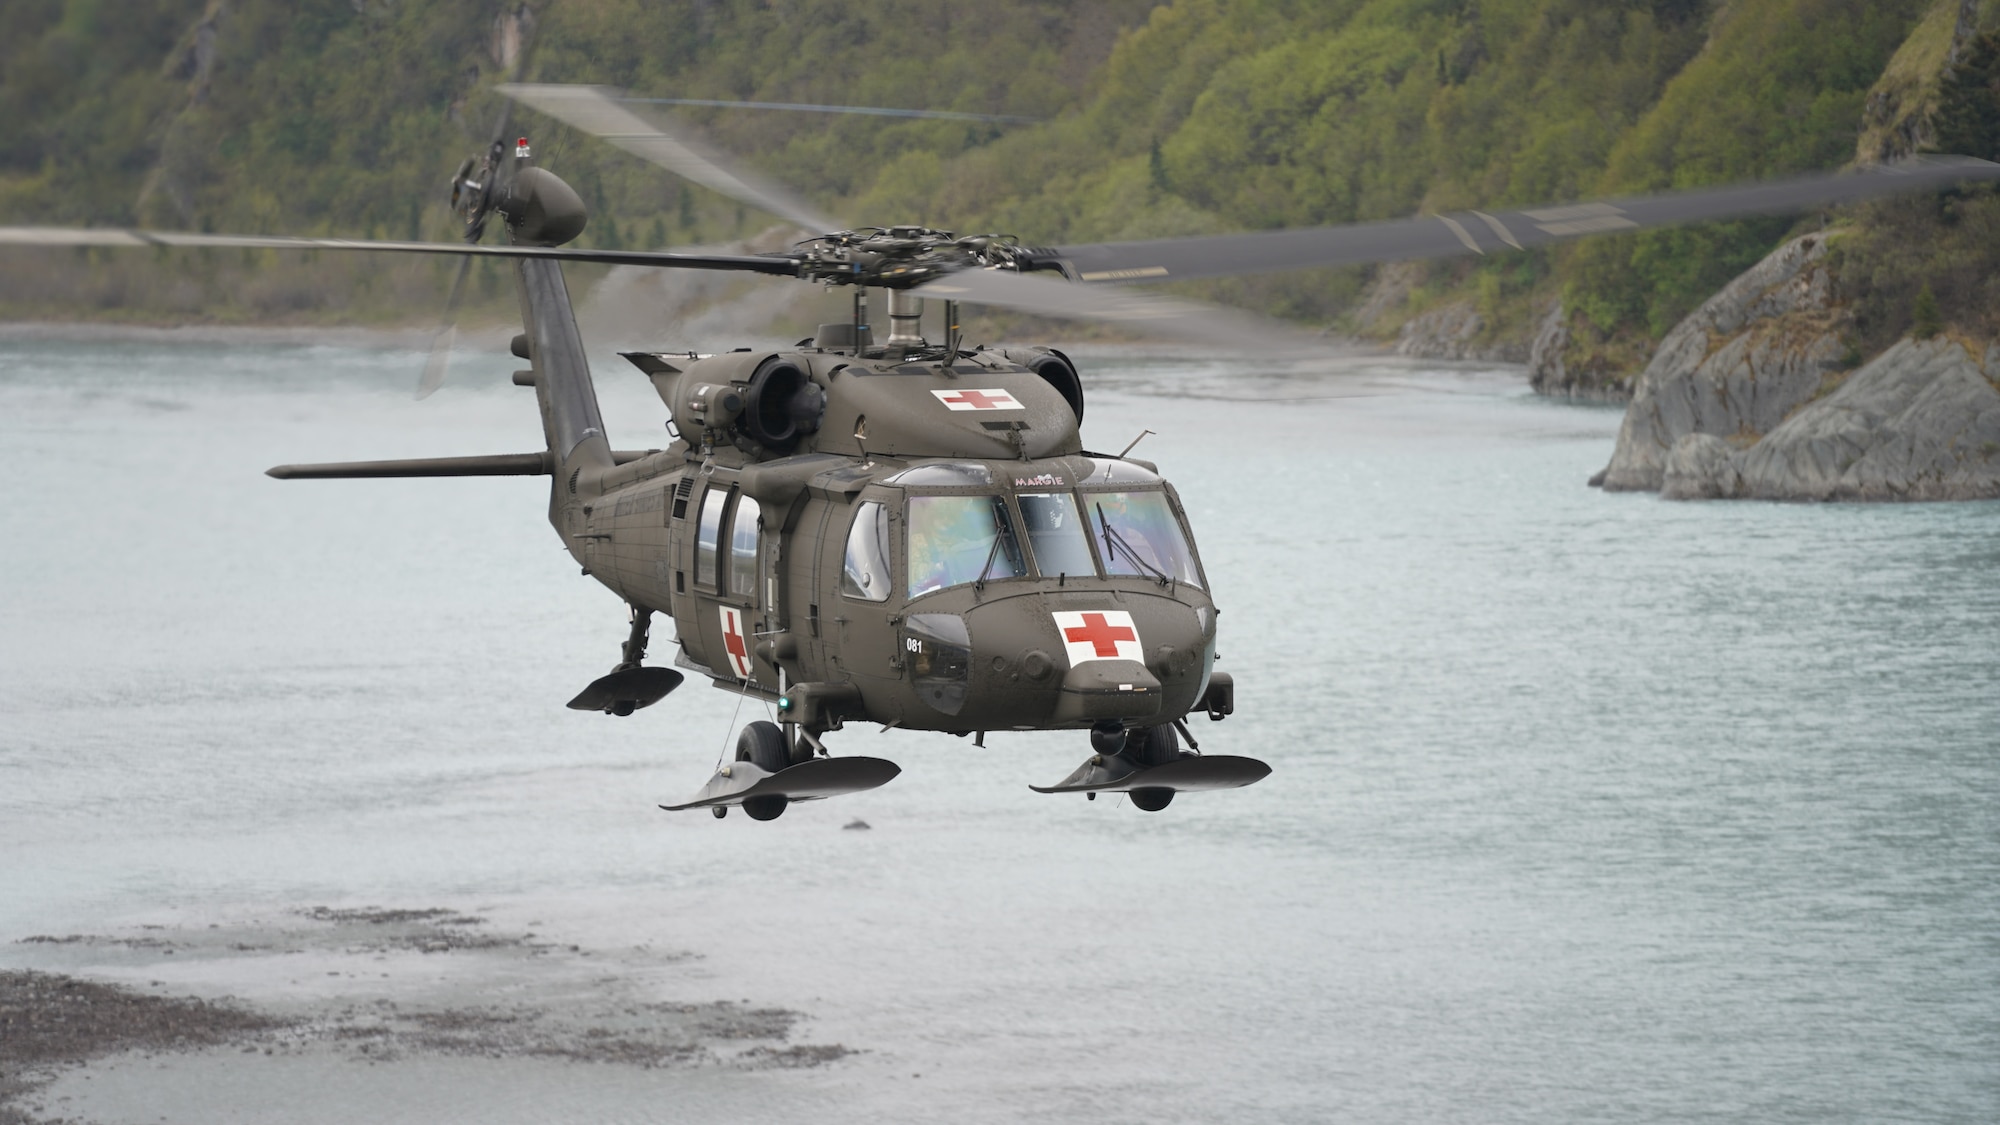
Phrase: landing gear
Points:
(762, 745)
(629, 686)
(770, 773)
(1147, 747)
(1148, 764)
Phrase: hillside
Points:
(343, 116)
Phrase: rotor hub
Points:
(906, 256)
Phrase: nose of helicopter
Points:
(1056, 658)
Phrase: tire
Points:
(1146, 747)
(762, 744)
(1151, 800)
(771, 808)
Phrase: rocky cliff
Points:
(1921, 422)
(1750, 397)
(1736, 367)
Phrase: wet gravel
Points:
(48, 1021)
(52, 1022)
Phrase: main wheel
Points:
(1146, 747)
(762, 744)
(771, 808)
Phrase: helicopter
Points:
(907, 531)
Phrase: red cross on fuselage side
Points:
(1100, 634)
(733, 641)
(980, 400)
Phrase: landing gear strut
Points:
(629, 686)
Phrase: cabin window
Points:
(1056, 534)
(1137, 534)
(865, 572)
(743, 548)
(959, 539)
(708, 536)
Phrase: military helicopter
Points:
(906, 531)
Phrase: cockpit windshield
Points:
(1137, 533)
(1057, 536)
(958, 539)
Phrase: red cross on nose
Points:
(1101, 634)
(980, 400)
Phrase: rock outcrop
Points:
(1453, 331)
(1736, 366)
(1921, 422)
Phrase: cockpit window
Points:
(1137, 533)
(1056, 534)
(865, 573)
(959, 539)
(944, 473)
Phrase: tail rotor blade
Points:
(439, 363)
(595, 110)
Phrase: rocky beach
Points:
(268, 999)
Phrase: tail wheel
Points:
(762, 745)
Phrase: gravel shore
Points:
(345, 986)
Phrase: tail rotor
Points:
(476, 190)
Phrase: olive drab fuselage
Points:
(785, 527)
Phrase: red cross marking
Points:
(733, 641)
(980, 400)
(1098, 632)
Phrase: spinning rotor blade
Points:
(498, 180)
(120, 237)
(1149, 313)
(863, 110)
(596, 110)
(1477, 232)
(439, 363)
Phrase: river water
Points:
(1585, 807)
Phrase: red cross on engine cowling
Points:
(983, 398)
(1100, 634)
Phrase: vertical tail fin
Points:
(572, 425)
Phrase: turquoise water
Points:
(1585, 807)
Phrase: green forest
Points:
(346, 117)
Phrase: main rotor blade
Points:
(595, 110)
(863, 110)
(1149, 313)
(1478, 232)
(119, 237)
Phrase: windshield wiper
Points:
(1111, 537)
(992, 553)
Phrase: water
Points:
(1585, 807)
